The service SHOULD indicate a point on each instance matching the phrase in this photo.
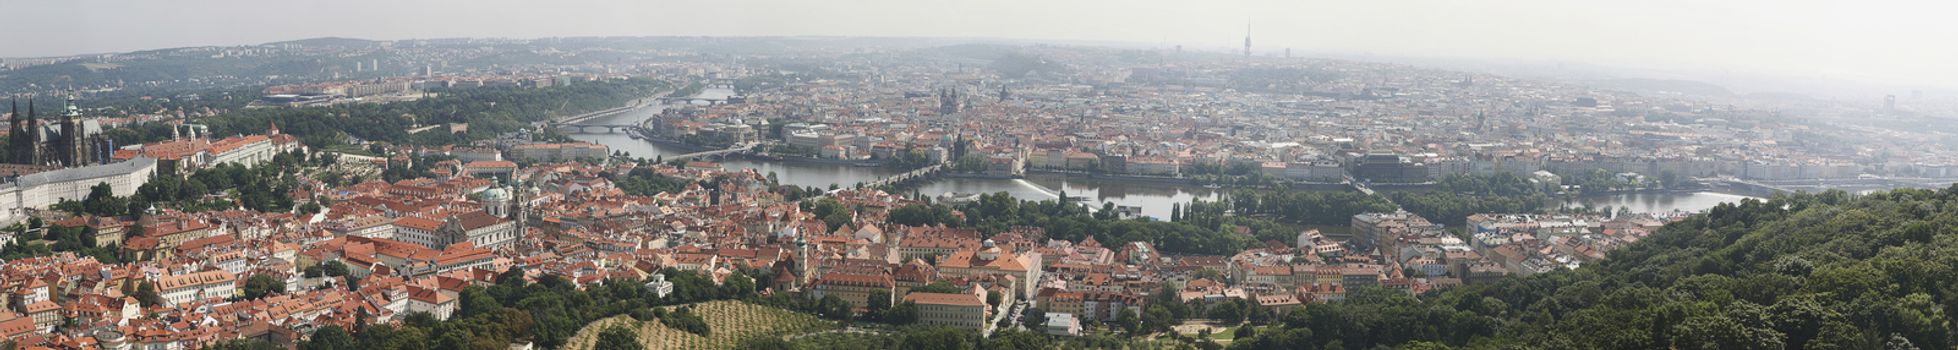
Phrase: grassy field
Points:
(729, 322)
(1222, 334)
(349, 149)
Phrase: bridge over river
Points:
(730, 150)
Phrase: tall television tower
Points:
(1247, 38)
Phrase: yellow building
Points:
(956, 310)
(853, 288)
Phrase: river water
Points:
(1155, 199)
(1657, 202)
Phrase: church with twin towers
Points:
(73, 141)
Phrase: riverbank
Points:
(1697, 187)
(807, 160)
(1654, 201)
(675, 145)
(980, 176)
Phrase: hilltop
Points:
(1802, 271)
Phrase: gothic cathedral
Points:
(75, 141)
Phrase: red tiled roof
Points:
(954, 299)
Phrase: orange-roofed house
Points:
(431, 301)
(991, 260)
(191, 287)
(15, 326)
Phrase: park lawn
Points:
(1226, 334)
(349, 149)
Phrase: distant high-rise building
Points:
(1889, 103)
(428, 70)
(1288, 52)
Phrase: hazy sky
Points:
(1875, 41)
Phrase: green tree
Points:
(334, 268)
(329, 337)
(146, 294)
(877, 303)
(514, 277)
(102, 200)
(474, 301)
(1033, 318)
(1228, 312)
(903, 313)
(834, 308)
(684, 319)
(1128, 321)
(764, 343)
(1157, 319)
(738, 285)
(259, 286)
(1015, 339)
(243, 344)
(617, 337)
(944, 338)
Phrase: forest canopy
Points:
(1800, 271)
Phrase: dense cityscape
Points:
(789, 193)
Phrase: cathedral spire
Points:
(24, 146)
(32, 127)
(14, 119)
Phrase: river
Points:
(1155, 199)
(1657, 202)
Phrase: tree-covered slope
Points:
(1803, 271)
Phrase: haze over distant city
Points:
(1884, 42)
(966, 174)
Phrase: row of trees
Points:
(1307, 207)
(999, 212)
(34, 240)
(1456, 197)
(1600, 180)
(266, 187)
(643, 181)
